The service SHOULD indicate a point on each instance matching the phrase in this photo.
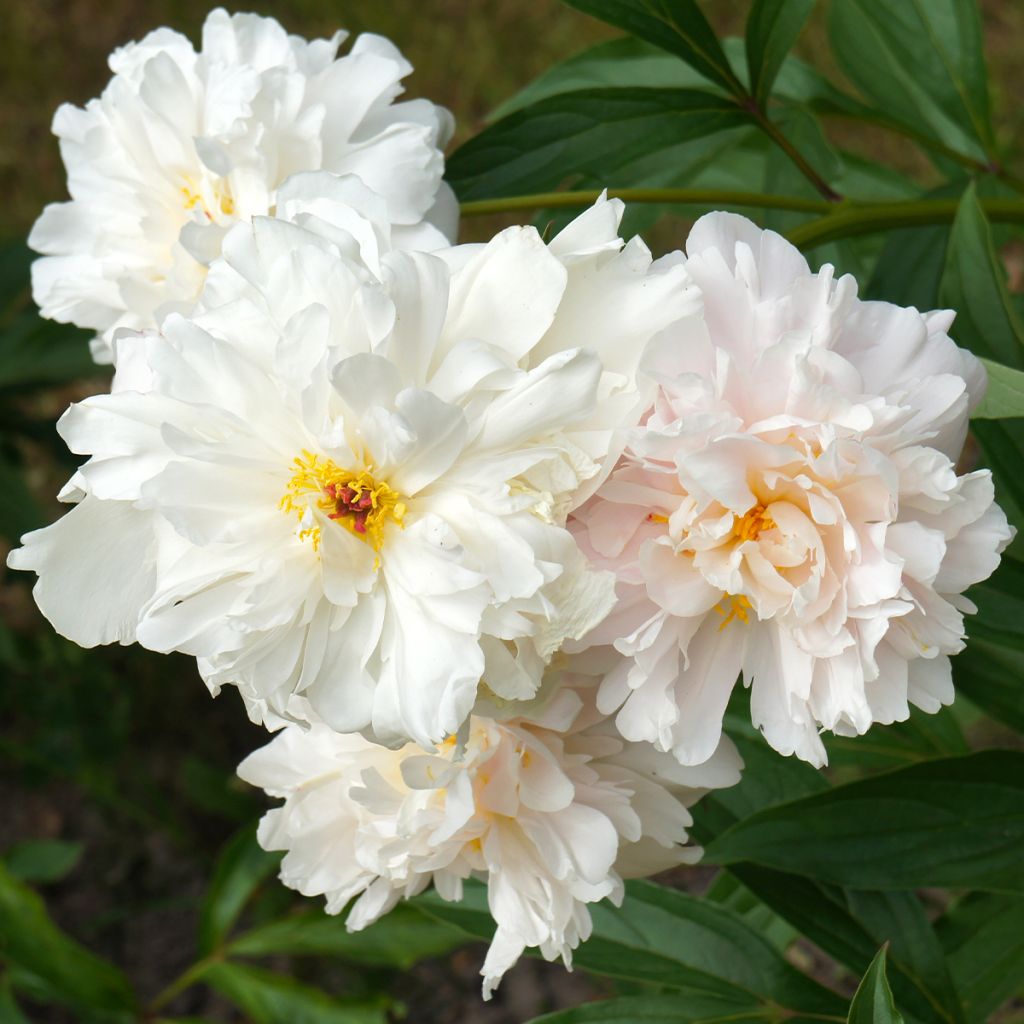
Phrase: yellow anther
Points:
(750, 525)
(738, 607)
(352, 498)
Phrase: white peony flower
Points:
(550, 811)
(342, 483)
(790, 509)
(181, 145)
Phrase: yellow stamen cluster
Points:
(738, 607)
(352, 498)
(193, 198)
(750, 525)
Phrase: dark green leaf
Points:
(269, 998)
(873, 1002)
(974, 285)
(667, 938)
(10, 1012)
(19, 510)
(910, 267)
(921, 62)
(990, 675)
(36, 351)
(42, 860)
(31, 940)
(242, 866)
(592, 132)
(849, 924)
(955, 822)
(400, 939)
(693, 1009)
(1002, 444)
(1004, 397)
(615, 63)
(984, 940)
(922, 737)
(772, 28)
(678, 26)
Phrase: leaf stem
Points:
(185, 980)
(772, 131)
(681, 196)
(853, 218)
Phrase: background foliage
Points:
(882, 136)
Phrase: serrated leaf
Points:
(873, 1002)
(677, 26)
(401, 938)
(921, 62)
(31, 940)
(974, 284)
(665, 937)
(269, 998)
(772, 28)
(955, 822)
(242, 866)
(43, 860)
(591, 132)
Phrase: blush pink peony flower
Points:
(552, 811)
(790, 510)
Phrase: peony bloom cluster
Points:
(486, 532)
(183, 144)
(552, 810)
(790, 510)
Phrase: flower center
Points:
(219, 195)
(352, 498)
(733, 606)
(750, 525)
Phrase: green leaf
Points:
(1004, 397)
(31, 940)
(242, 866)
(922, 737)
(19, 510)
(269, 998)
(677, 26)
(974, 285)
(694, 1009)
(43, 860)
(989, 675)
(615, 63)
(667, 938)
(592, 132)
(956, 822)
(849, 924)
(34, 351)
(873, 1002)
(984, 940)
(921, 62)
(772, 28)
(401, 938)
(10, 1012)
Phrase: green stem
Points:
(681, 196)
(852, 218)
(184, 980)
(772, 131)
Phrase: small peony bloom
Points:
(790, 510)
(181, 145)
(551, 812)
(342, 483)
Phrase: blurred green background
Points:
(121, 755)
